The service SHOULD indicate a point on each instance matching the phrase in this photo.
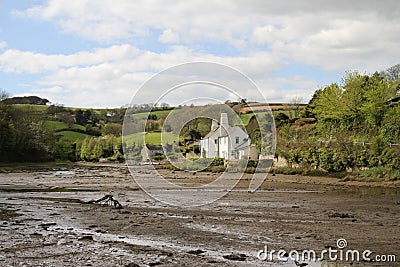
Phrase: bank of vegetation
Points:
(349, 126)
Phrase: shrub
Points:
(286, 170)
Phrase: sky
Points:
(97, 53)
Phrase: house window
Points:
(237, 140)
(215, 141)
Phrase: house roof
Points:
(230, 131)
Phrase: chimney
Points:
(224, 121)
(214, 125)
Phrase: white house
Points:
(225, 141)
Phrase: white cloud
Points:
(110, 76)
(3, 45)
(168, 36)
(17, 61)
(268, 35)
(334, 35)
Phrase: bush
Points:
(215, 169)
(218, 162)
(158, 157)
(286, 170)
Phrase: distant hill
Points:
(260, 107)
(33, 100)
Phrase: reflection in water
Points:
(372, 191)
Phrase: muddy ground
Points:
(44, 220)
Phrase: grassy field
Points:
(59, 125)
(41, 108)
(72, 136)
(246, 118)
(158, 113)
(55, 125)
(150, 138)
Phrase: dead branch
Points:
(107, 200)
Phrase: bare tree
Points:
(393, 73)
(296, 103)
(3, 95)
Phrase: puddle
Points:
(63, 173)
(218, 229)
(372, 191)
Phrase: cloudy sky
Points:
(96, 53)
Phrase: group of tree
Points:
(353, 124)
(25, 137)
(22, 137)
(32, 100)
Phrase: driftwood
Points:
(107, 200)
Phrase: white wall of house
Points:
(225, 141)
(224, 147)
(209, 146)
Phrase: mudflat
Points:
(45, 219)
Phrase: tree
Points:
(377, 91)
(354, 90)
(393, 73)
(79, 118)
(281, 119)
(67, 119)
(6, 129)
(296, 103)
(34, 100)
(390, 129)
(54, 109)
(164, 105)
(112, 128)
(327, 103)
(310, 108)
(87, 116)
(3, 95)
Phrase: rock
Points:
(235, 257)
(36, 234)
(339, 215)
(196, 252)
(46, 225)
(86, 237)
(155, 263)
(300, 264)
(132, 264)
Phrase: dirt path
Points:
(289, 212)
